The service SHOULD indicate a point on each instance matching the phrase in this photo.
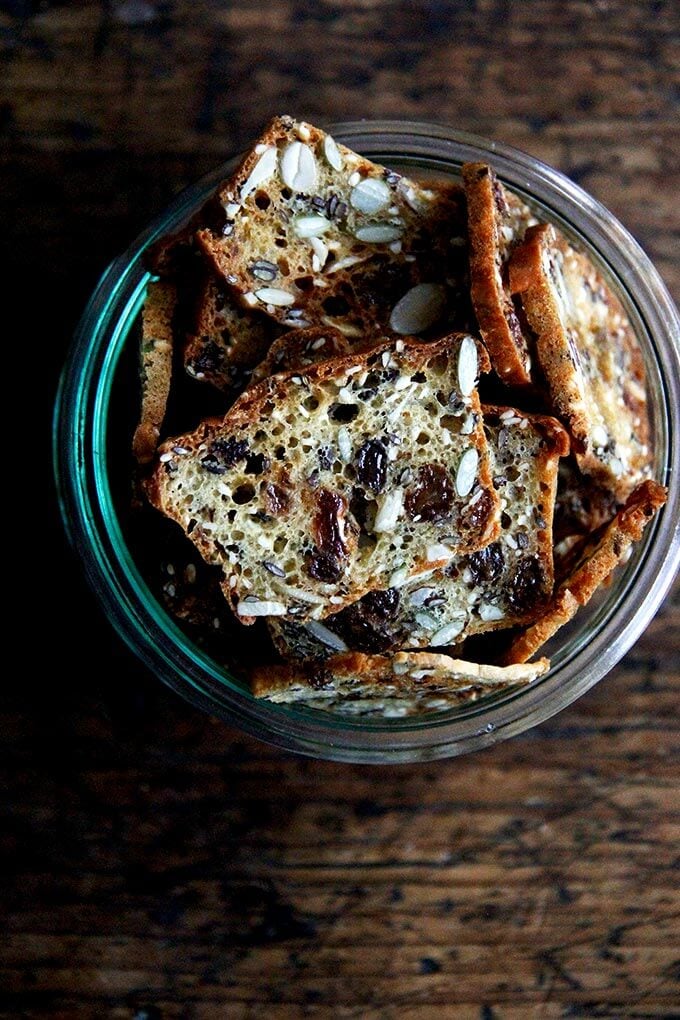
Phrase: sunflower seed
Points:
(344, 444)
(274, 296)
(488, 612)
(467, 472)
(310, 226)
(264, 270)
(332, 153)
(437, 551)
(389, 511)
(251, 606)
(600, 437)
(349, 260)
(370, 196)
(326, 636)
(273, 568)
(378, 233)
(320, 250)
(298, 167)
(398, 577)
(467, 366)
(419, 308)
(446, 634)
(261, 172)
(426, 621)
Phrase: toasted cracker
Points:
(497, 220)
(226, 342)
(267, 492)
(506, 584)
(407, 683)
(310, 254)
(593, 566)
(590, 356)
(299, 349)
(156, 349)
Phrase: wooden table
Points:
(157, 864)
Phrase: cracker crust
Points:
(156, 349)
(299, 349)
(225, 342)
(497, 220)
(414, 682)
(590, 356)
(593, 567)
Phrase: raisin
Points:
(369, 624)
(486, 566)
(331, 509)
(229, 451)
(431, 497)
(383, 604)
(371, 464)
(527, 586)
(210, 359)
(317, 677)
(476, 516)
(276, 499)
(323, 566)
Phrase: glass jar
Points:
(89, 449)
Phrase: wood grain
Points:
(156, 864)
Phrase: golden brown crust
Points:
(226, 341)
(404, 673)
(299, 349)
(416, 681)
(497, 220)
(156, 366)
(593, 567)
(590, 357)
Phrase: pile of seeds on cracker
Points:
(413, 432)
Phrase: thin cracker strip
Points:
(590, 356)
(595, 564)
(497, 220)
(156, 349)
(407, 675)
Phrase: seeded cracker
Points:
(497, 221)
(268, 492)
(596, 562)
(408, 683)
(316, 235)
(506, 584)
(299, 349)
(590, 356)
(155, 366)
(226, 342)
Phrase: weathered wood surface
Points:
(156, 863)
